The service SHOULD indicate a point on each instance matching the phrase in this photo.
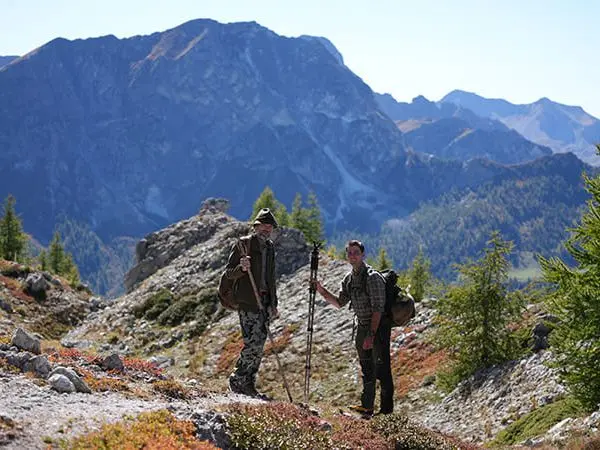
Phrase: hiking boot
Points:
(383, 412)
(236, 388)
(251, 391)
(367, 412)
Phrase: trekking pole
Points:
(314, 266)
(261, 308)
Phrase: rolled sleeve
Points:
(376, 289)
(343, 295)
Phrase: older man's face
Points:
(264, 228)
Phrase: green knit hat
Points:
(265, 216)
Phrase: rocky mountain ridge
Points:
(451, 131)
(508, 392)
(561, 127)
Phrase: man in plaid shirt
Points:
(364, 288)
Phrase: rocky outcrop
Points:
(159, 249)
(41, 303)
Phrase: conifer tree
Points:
(420, 276)
(382, 262)
(576, 303)
(473, 317)
(12, 238)
(314, 220)
(43, 258)
(56, 254)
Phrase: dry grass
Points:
(231, 350)
(172, 389)
(412, 363)
(16, 289)
(157, 430)
(141, 365)
(280, 342)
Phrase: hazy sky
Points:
(520, 50)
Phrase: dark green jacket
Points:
(242, 288)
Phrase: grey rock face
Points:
(113, 362)
(61, 383)
(40, 365)
(25, 341)
(79, 384)
(4, 305)
(211, 426)
(36, 284)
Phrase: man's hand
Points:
(245, 263)
(368, 343)
(317, 285)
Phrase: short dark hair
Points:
(355, 243)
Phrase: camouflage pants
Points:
(254, 332)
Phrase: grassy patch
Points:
(280, 342)
(16, 289)
(280, 425)
(538, 421)
(199, 307)
(141, 365)
(171, 388)
(406, 435)
(285, 426)
(414, 363)
(231, 350)
(151, 430)
(154, 306)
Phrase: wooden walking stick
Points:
(243, 252)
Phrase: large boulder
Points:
(25, 341)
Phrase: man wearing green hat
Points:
(254, 252)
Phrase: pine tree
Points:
(576, 303)
(69, 269)
(43, 258)
(382, 262)
(12, 239)
(267, 199)
(420, 276)
(298, 215)
(473, 317)
(56, 254)
(314, 221)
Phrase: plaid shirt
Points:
(364, 303)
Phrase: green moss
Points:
(538, 421)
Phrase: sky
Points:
(519, 50)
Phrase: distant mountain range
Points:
(451, 131)
(122, 137)
(560, 127)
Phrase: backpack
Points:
(399, 304)
(226, 293)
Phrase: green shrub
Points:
(280, 426)
(199, 307)
(153, 306)
(538, 421)
(408, 436)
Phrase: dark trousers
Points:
(376, 365)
